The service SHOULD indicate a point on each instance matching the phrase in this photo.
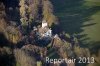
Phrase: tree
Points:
(23, 13)
(28, 11)
(24, 59)
(13, 34)
(48, 12)
(3, 23)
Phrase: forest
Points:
(32, 30)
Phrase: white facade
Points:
(44, 23)
(49, 33)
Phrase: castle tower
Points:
(44, 24)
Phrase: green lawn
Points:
(81, 17)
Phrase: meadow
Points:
(80, 17)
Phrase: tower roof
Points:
(44, 21)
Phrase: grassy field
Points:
(81, 17)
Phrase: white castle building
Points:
(44, 24)
(45, 30)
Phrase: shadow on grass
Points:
(4, 41)
(12, 10)
(94, 47)
(6, 59)
(72, 14)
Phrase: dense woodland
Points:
(19, 45)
